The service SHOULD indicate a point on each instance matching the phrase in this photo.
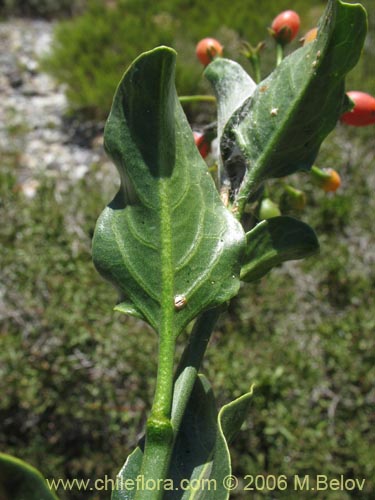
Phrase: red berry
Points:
(333, 182)
(203, 146)
(207, 49)
(285, 26)
(363, 112)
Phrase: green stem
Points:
(292, 191)
(244, 194)
(159, 446)
(318, 175)
(162, 404)
(255, 63)
(279, 53)
(190, 363)
(159, 431)
(185, 99)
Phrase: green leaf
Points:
(201, 451)
(280, 128)
(21, 481)
(166, 241)
(233, 414)
(127, 477)
(129, 309)
(232, 86)
(274, 241)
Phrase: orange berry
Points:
(331, 183)
(207, 49)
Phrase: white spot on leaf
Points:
(179, 302)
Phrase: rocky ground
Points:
(33, 111)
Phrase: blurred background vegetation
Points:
(77, 379)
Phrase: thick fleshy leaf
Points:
(201, 451)
(126, 479)
(20, 481)
(280, 128)
(232, 87)
(274, 241)
(129, 309)
(166, 241)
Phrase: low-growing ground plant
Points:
(177, 241)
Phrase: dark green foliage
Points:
(275, 241)
(19, 481)
(150, 141)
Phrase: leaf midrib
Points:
(167, 274)
(282, 129)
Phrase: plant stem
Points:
(248, 189)
(159, 431)
(164, 380)
(279, 53)
(190, 362)
(255, 63)
(158, 447)
(185, 99)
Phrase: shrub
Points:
(91, 52)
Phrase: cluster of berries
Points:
(284, 29)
